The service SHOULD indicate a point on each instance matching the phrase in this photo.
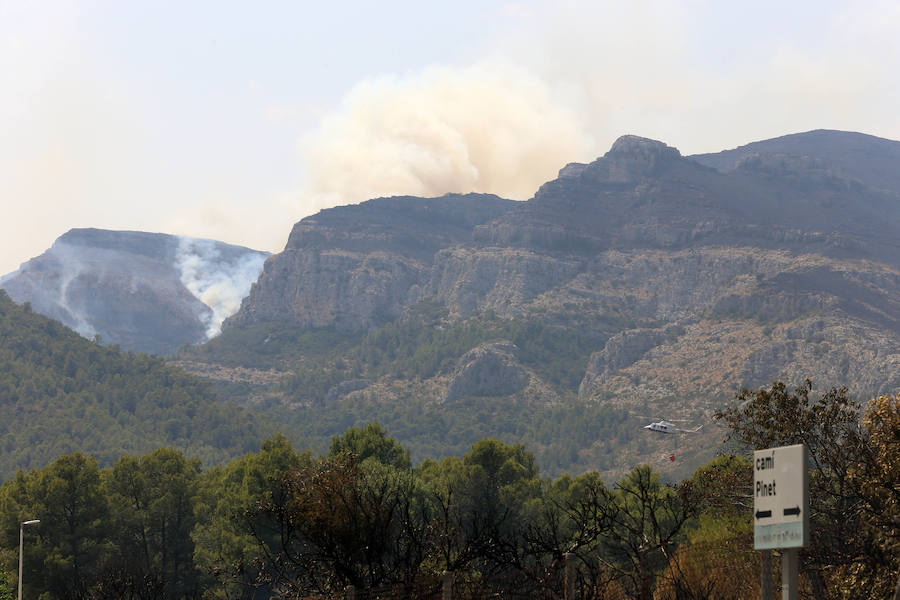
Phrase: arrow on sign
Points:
(792, 511)
(762, 514)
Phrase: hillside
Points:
(865, 157)
(658, 286)
(62, 393)
(356, 267)
(146, 292)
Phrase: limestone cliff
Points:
(627, 246)
(358, 267)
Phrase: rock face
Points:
(490, 369)
(470, 279)
(641, 194)
(864, 157)
(358, 267)
(694, 274)
(623, 350)
(345, 387)
(146, 292)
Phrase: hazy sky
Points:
(234, 120)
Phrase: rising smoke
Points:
(70, 269)
(491, 127)
(47, 287)
(220, 282)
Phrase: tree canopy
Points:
(278, 523)
(63, 394)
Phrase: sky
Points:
(232, 121)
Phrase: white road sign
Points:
(780, 498)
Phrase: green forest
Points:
(281, 523)
(61, 393)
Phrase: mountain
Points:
(62, 393)
(356, 267)
(865, 157)
(657, 284)
(147, 292)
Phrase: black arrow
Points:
(792, 511)
(762, 514)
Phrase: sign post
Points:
(781, 508)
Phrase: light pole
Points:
(21, 544)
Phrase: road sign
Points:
(780, 498)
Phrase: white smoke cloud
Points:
(219, 284)
(491, 127)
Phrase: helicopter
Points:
(663, 426)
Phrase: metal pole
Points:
(790, 573)
(21, 546)
(766, 576)
(21, 540)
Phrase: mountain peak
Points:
(633, 146)
(632, 158)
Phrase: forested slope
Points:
(61, 393)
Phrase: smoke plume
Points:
(218, 281)
(70, 269)
(491, 127)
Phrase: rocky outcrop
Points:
(345, 387)
(319, 288)
(146, 292)
(358, 267)
(632, 158)
(503, 280)
(835, 351)
(488, 370)
(414, 227)
(602, 204)
(642, 194)
(622, 350)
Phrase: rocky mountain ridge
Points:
(856, 155)
(641, 197)
(357, 267)
(693, 281)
